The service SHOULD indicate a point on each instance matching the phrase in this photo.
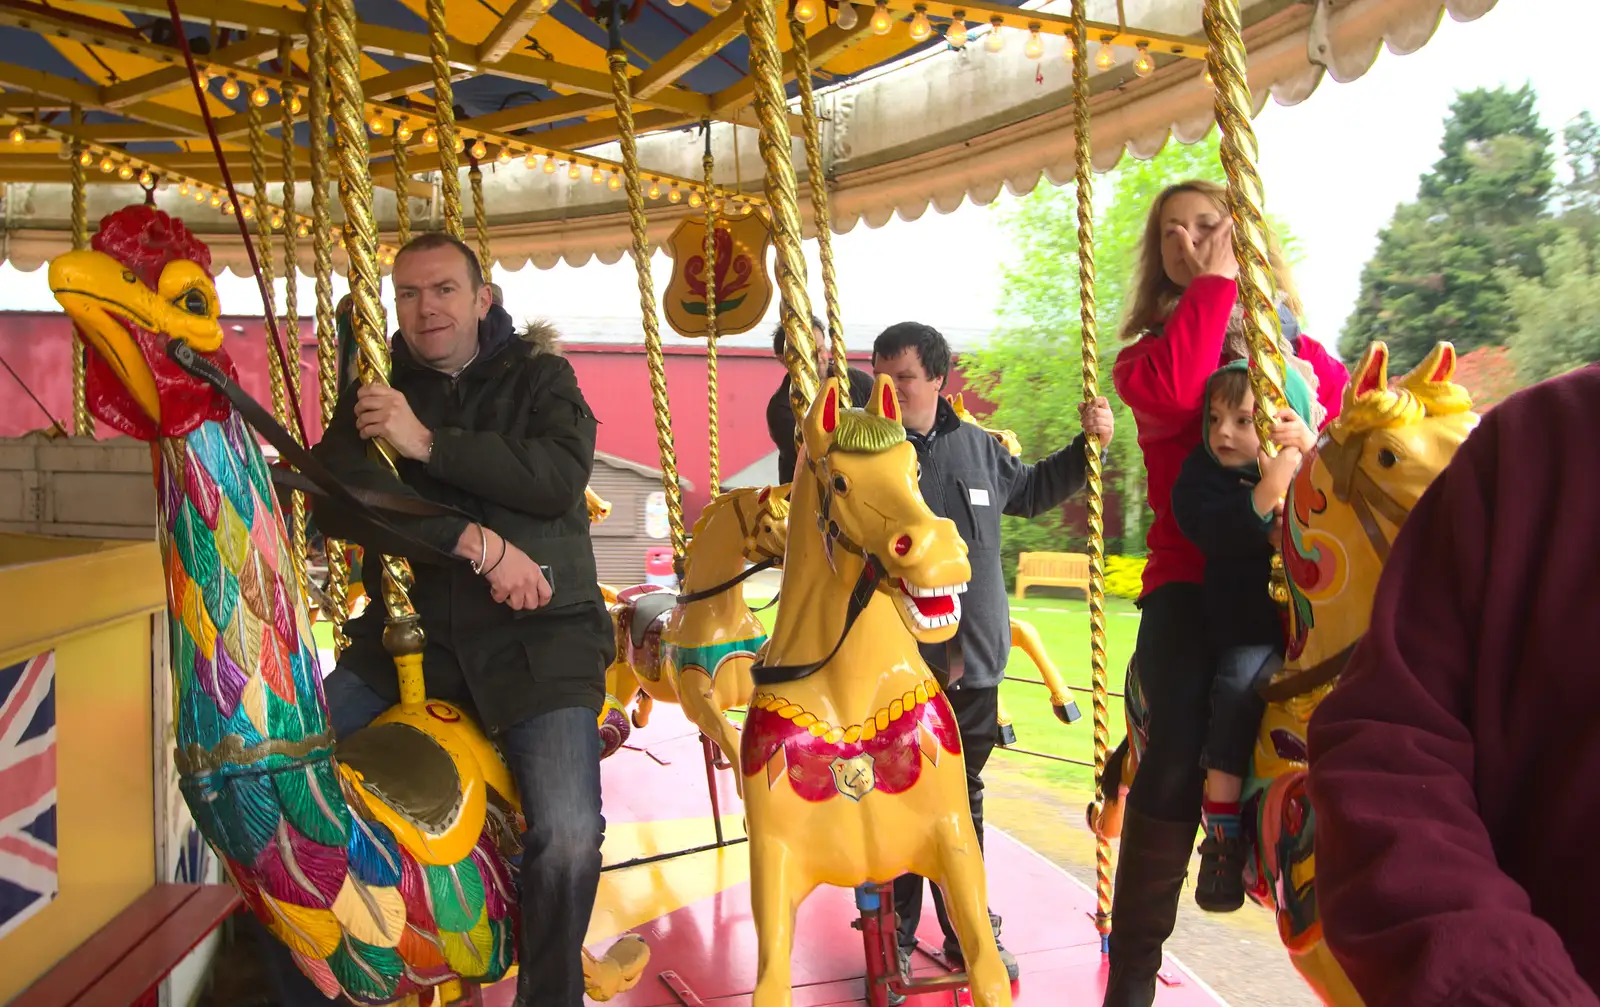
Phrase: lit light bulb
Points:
(996, 39)
(458, 144)
(694, 199)
(531, 161)
(847, 15)
(294, 105)
(1209, 81)
(505, 155)
(1069, 51)
(655, 189)
(1144, 64)
(721, 5)
(183, 190)
(146, 179)
(125, 172)
(227, 207)
(597, 176)
(230, 89)
(805, 11)
(199, 196)
(550, 165)
(18, 135)
(260, 96)
(303, 230)
(480, 150)
(107, 165)
(882, 20)
(249, 213)
(920, 28)
(430, 136)
(716, 206)
(573, 171)
(86, 158)
(677, 3)
(673, 195)
(956, 37)
(376, 124)
(216, 200)
(1035, 45)
(404, 132)
(1104, 57)
(614, 183)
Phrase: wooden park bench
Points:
(1052, 569)
(123, 963)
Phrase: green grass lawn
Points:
(1063, 626)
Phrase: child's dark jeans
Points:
(1236, 707)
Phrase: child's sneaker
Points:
(1220, 886)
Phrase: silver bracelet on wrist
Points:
(483, 550)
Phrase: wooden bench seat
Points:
(123, 963)
(1052, 569)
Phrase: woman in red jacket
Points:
(1186, 321)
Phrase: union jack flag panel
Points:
(27, 789)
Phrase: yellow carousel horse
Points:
(851, 757)
(696, 648)
(1341, 516)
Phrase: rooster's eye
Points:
(194, 302)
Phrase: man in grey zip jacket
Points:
(968, 477)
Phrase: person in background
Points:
(780, 416)
(1185, 321)
(1452, 768)
(965, 475)
(1227, 501)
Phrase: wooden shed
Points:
(637, 522)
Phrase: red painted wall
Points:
(614, 379)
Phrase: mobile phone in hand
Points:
(549, 577)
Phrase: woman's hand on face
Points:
(1212, 255)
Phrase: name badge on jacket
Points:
(978, 496)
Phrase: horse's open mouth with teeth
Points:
(930, 608)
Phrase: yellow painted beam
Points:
(692, 51)
(170, 78)
(513, 25)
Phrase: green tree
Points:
(1580, 196)
(1480, 217)
(1558, 314)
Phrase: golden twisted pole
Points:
(480, 220)
(82, 421)
(794, 309)
(1095, 502)
(258, 175)
(327, 332)
(444, 113)
(1257, 285)
(402, 201)
(714, 449)
(291, 292)
(623, 95)
(402, 635)
(819, 192)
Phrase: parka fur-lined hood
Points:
(542, 337)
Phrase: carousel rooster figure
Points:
(318, 847)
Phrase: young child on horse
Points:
(1227, 500)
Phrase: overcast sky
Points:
(1335, 166)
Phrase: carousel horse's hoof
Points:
(1109, 825)
(618, 971)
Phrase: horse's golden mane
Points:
(861, 433)
(779, 508)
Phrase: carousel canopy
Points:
(909, 117)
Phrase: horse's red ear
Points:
(761, 497)
(890, 403)
(1445, 369)
(830, 409)
(1372, 373)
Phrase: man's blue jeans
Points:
(555, 759)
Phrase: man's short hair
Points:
(427, 241)
(931, 348)
(780, 338)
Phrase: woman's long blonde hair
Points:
(1154, 293)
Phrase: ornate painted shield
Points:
(854, 777)
(743, 285)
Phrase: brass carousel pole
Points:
(794, 310)
(1095, 502)
(322, 248)
(82, 421)
(402, 178)
(291, 280)
(622, 93)
(819, 191)
(480, 220)
(263, 216)
(445, 120)
(714, 477)
(1257, 285)
(402, 636)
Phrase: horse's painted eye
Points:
(839, 485)
(194, 302)
(1388, 459)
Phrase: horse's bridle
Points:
(860, 596)
(767, 562)
(1353, 486)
